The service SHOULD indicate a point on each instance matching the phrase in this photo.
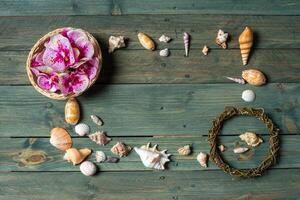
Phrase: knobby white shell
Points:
(151, 157)
(100, 138)
(184, 151)
(116, 42)
(97, 120)
(82, 129)
(248, 95)
(88, 168)
(164, 53)
(240, 150)
(202, 159)
(252, 139)
(121, 149)
(221, 39)
(100, 156)
(164, 39)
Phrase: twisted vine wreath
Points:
(269, 160)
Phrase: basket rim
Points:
(39, 46)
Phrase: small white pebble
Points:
(248, 95)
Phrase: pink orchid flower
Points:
(89, 68)
(48, 82)
(37, 60)
(73, 83)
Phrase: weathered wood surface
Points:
(20, 33)
(143, 110)
(149, 185)
(139, 66)
(37, 154)
(125, 7)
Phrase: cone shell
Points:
(146, 41)
(246, 42)
(72, 111)
(60, 139)
(77, 156)
(254, 77)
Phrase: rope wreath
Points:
(268, 161)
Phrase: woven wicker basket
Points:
(39, 46)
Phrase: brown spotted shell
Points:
(72, 111)
(60, 139)
(254, 77)
(146, 41)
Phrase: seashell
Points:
(60, 139)
(202, 159)
(246, 42)
(72, 111)
(121, 149)
(221, 39)
(151, 157)
(205, 50)
(184, 151)
(222, 148)
(110, 159)
(252, 139)
(100, 156)
(76, 156)
(164, 39)
(82, 129)
(248, 95)
(240, 150)
(164, 53)
(97, 120)
(146, 41)
(186, 42)
(115, 42)
(254, 77)
(100, 138)
(237, 80)
(88, 168)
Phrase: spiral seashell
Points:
(60, 139)
(100, 138)
(121, 149)
(76, 156)
(72, 111)
(221, 39)
(205, 50)
(186, 42)
(254, 77)
(82, 129)
(164, 53)
(237, 80)
(202, 159)
(246, 42)
(240, 150)
(164, 39)
(252, 139)
(146, 41)
(184, 151)
(88, 168)
(100, 156)
(97, 120)
(248, 95)
(116, 42)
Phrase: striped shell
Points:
(60, 139)
(254, 77)
(246, 42)
(82, 129)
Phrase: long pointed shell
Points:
(100, 138)
(146, 41)
(240, 150)
(237, 80)
(76, 156)
(121, 149)
(202, 159)
(252, 139)
(186, 41)
(246, 42)
(72, 111)
(60, 139)
(254, 77)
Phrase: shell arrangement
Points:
(151, 157)
(100, 138)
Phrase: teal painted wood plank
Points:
(37, 154)
(277, 184)
(138, 109)
(20, 33)
(125, 7)
(138, 66)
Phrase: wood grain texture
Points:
(125, 7)
(138, 66)
(149, 185)
(138, 109)
(37, 154)
(20, 33)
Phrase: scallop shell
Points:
(205, 50)
(76, 156)
(221, 39)
(100, 138)
(116, 42)
(202, 159)
(164, 53)
(146, 41)
(184, 151)
(254, 77)
(60, 139)
(121, 149)
(151, 157)
(252, 139)
(222, 148)
(88, 168)
(240, 150)
(248, 95)
(97, 120)
(100, 156)
(82, 129)
(164, 39)
(237, 80)
(246, 42)
(72, 111)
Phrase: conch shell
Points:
(221, 39)
(116, 42)
(151, 157)
(100, 138)
(72, 111)
(146, 41)
(254, 77)
(121, 149)
(60, 139)
(184, 151)
(252, 139)
(246, 42)
(202, 159)
(76, 156)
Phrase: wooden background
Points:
(143, 97)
